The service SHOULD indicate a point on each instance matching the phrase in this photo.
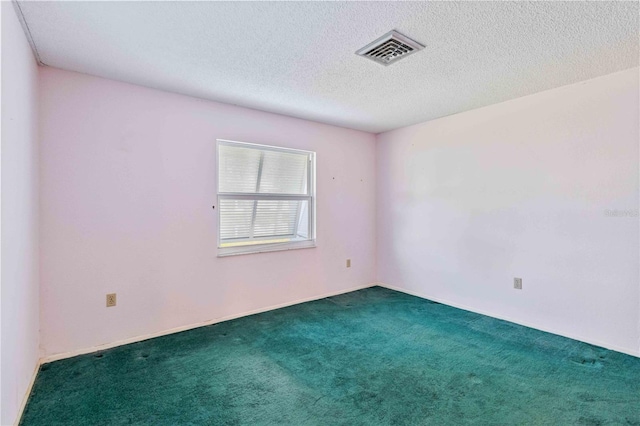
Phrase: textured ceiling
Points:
(298, 58)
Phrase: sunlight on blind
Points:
(235, 218)
(238, 169)
(264, 195)
(276, 217)
(284, 173)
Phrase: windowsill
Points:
(265, 248)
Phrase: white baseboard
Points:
(70, 354)
(504, 318)
(25, 399)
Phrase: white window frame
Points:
(310, 197)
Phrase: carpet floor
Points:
(371, 357)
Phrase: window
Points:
(266, 198)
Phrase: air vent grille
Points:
(390, 48)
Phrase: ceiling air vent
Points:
(390, 48)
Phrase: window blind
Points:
(265, 194)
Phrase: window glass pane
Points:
(284, 173)
(276, 203)
(303, 221)
(235, 219)
(239, 169)
(277, 218)
(275, 221)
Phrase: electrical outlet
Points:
(348, 263)
(111, 300)
(517, 283)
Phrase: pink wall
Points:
(521, 189)
(128, 181)
(464, 204)
(20, 282)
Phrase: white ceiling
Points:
(298, 58)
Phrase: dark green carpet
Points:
(369, 357)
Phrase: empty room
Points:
(319, 213)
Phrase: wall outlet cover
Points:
(517, 283)
(111, 300)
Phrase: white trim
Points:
(265, 248)
(309, 196)
(27, 394)
(261, 146)
(523, 323)
(70, 354)
(261, 196)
